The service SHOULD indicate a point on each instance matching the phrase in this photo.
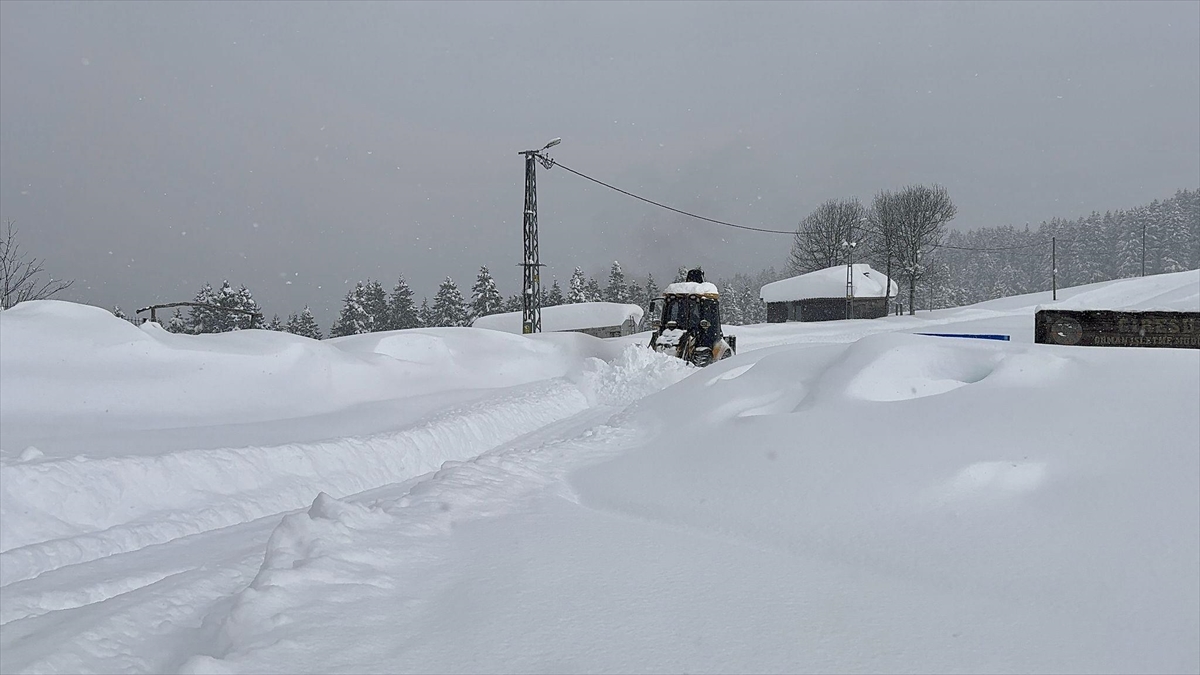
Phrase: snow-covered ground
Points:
(842, 496)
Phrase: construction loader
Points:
(687, 322)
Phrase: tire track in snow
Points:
(254, 482)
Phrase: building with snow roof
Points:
(826, 295)
(602, 319)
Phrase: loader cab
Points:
(699, 314)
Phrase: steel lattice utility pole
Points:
(531, 286)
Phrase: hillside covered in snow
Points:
(842, 496)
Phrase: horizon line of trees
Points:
(902, 233)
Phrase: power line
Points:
(671, 208)
(995, 248)
(554, 162)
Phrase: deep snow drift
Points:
(837, 497)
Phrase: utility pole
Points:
(849, 246)
(1054, 268)
(531, 286)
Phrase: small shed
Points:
(824, 296)
(601, 319)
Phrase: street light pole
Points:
(531, 290)
(1143, 247)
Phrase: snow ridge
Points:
(120, 504)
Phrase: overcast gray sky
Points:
(146, 148)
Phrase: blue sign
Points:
(976, 336)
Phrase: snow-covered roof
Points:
(691, 288)
(829, 283)
(566, 317)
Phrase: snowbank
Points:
(570, 317)
(829, 283)
(832, 498)
(114, 437)
(899, 504)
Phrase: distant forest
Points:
(966, 267)
(1096, 247)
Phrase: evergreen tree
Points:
(731, 311)
(425, 314)
(304, 325)
(375, 303)
(591, 291)
(176, 324)
(244, 301)
(651, 290)
(116, 311)
(449, 308)
(401, 311)
(204, 319)
(635, 294)
(615, 291)
(577, 287)
(681, 275)
(353, 319)
(485, 298)
(213, 319)
(275, 324)
(514, 303)
(555, 296)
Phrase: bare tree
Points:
(921, 216)
(21, 275)
(823, 236)
(883, 233)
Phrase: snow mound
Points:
(572, 317)
(634, 374)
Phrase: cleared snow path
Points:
(126, 503)
(131, 597)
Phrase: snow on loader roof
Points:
(690, 288)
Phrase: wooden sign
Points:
(1106, 328)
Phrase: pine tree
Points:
(213, 319)
(353, 319)
(555, 296)
(485, 298)
(243, 300)
(449, 308)
(591, 291)
(401, 311)
(681, 275)
(176, 323)
(304, 325)
(731, 311)
(275, 324)
(651, 290)
(635, 294)
(514, 303)
(116, 310)
(425, 314)
(375, 303)
(615, 291)
(204, 319)
(577, 287)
